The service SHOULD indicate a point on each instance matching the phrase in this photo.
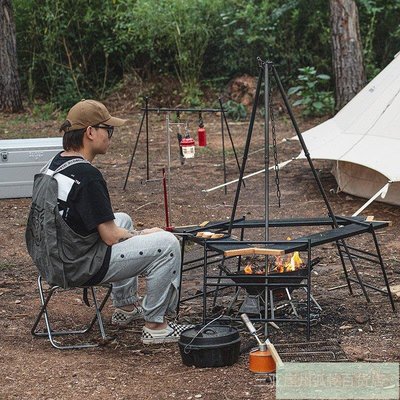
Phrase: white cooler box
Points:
(21, 160)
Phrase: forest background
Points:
(89, 48)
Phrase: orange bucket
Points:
(261, 361)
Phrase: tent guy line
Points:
(280, 165)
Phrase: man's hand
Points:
(151, 230)
(146, 231)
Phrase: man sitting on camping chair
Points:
(80, 241)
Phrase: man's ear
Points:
(89, 133)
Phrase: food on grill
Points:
(209, 235)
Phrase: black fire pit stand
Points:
(216, 251)
(337, 229)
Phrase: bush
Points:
(311, 99)
(234, 110)
(72, 49)
(68, 51)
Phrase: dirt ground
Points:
(124, 369)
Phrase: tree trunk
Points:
(10, 89)
(348, 63)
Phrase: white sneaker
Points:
(170, 334)
(124, 318)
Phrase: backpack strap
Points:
(67, 164)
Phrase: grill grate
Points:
(317, 351)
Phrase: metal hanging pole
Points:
(266, 186)
(266, 150)
(146, 99)
(169, 165)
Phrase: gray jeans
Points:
(157, 257)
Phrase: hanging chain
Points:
(275, 147)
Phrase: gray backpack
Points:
(63, 257)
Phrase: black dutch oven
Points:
(210, 346)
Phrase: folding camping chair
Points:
(51, 334)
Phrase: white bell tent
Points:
(363, 140)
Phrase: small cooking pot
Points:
(210, 346)
(261, 361)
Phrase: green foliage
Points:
(313, 101)
(67, 54)
(284, 32)
(380, 32)
(45, 112)
(234, 110)
(168, 36)
(72, 49)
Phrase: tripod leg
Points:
(246, 149)
(303, 145)
(223, 151)
(134, 151)
(230, 136)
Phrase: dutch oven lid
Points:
(211, 335)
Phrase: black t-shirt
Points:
(83, 201)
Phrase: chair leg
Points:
(50, 333)
(98, 311)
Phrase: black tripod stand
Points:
(145, 121)
(267, 71)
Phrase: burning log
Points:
(291, 264)
(283, 275)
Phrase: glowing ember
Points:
(279, 267)
(248, 269)
(253, 269)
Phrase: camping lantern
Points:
(187, 145)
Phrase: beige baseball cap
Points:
(90, 113)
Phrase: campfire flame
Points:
(248, 269)
(291, 264)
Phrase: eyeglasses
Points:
(108, 128)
